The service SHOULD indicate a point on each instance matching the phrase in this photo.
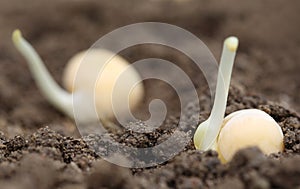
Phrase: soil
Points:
(41, 148)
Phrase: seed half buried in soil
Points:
(241, 129)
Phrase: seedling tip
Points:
(232, 43)
(16, 36)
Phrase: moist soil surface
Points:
(42, 148)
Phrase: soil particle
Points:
(103, 171)
(258, 171)
(40, 174)
(69, 162)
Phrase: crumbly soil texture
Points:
(42, 148)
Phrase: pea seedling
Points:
(82, 86)
(240, 129)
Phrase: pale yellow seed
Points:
(246, 128)
(88, 71)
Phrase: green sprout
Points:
(207, 132)
(58, 97)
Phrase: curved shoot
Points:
(49, 88)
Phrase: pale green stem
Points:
(223, 82)
(49, 88)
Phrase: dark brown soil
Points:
(41, 148)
